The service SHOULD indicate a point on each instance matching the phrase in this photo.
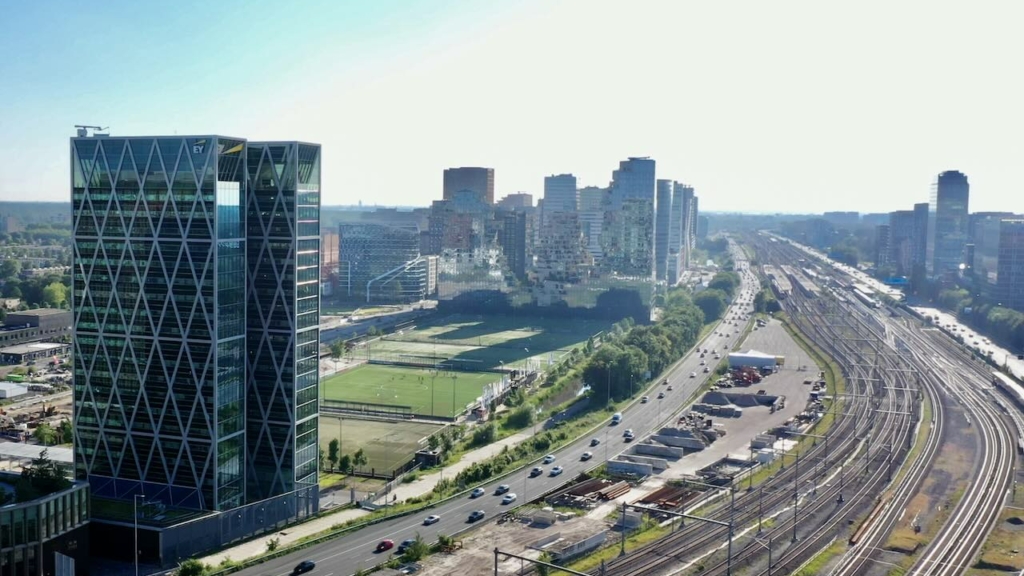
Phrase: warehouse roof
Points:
(30, 451)
(32, 347)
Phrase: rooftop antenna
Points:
(83, 130)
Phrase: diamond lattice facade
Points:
(196, 311)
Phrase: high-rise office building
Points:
(593, 198)
(196, 276)
(517, 200)
(947, 224)
(560, 195)
(634, 179)
(1010, 279)
(902, 236)
(984, 232)
(478, 180)
(883, 249)
(920, 250)
(628, 229)
(283, 317)
(662, 225)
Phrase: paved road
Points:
(343, 556)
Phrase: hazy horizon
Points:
(769, 108)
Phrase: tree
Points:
(484, 435)
(192, 567)
(64, 432)
(359, 458)
(711, 302)
(337, 350)
(333, 448)
(43, 476)
(44, 434)
(10, 268)
(345, 463)
(55, 294)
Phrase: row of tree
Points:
(1002, 324)
(622, 365)
(713, 300)
(343, 462)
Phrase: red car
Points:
(385, 545)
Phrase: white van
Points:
(616, 418)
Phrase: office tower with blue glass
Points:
(196, 311)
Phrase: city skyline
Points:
(770, 125)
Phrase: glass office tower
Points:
(196, 309)
(159, 318)
(283, 320)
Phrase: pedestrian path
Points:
(419, 487)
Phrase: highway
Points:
(345, 555)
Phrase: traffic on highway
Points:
(360, 550)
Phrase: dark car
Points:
(304, 566)
(405, 545)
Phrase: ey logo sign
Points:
(198, 146)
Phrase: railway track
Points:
(960, 538)
(676, 550)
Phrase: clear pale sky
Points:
(797, 106)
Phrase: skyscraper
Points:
(628, 228)
(1010, 280)
(947, 223)
(283, 317)
(560, 195)
(662, 226)
(633, 180)
(196, 317)
(477, 180)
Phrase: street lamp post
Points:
(135, 510)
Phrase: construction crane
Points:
(83, 130)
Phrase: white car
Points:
(645, 399)
(432, 519)
(476, 493)
(693, 374)
(509, 498)
(586, 456)
(556, 470)
(549, 458)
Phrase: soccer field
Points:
(485, 342)
(428, 392)
(387, 445)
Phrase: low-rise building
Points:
(34, 351)
(35, 325)
(47, 534)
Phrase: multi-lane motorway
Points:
(345, 555)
